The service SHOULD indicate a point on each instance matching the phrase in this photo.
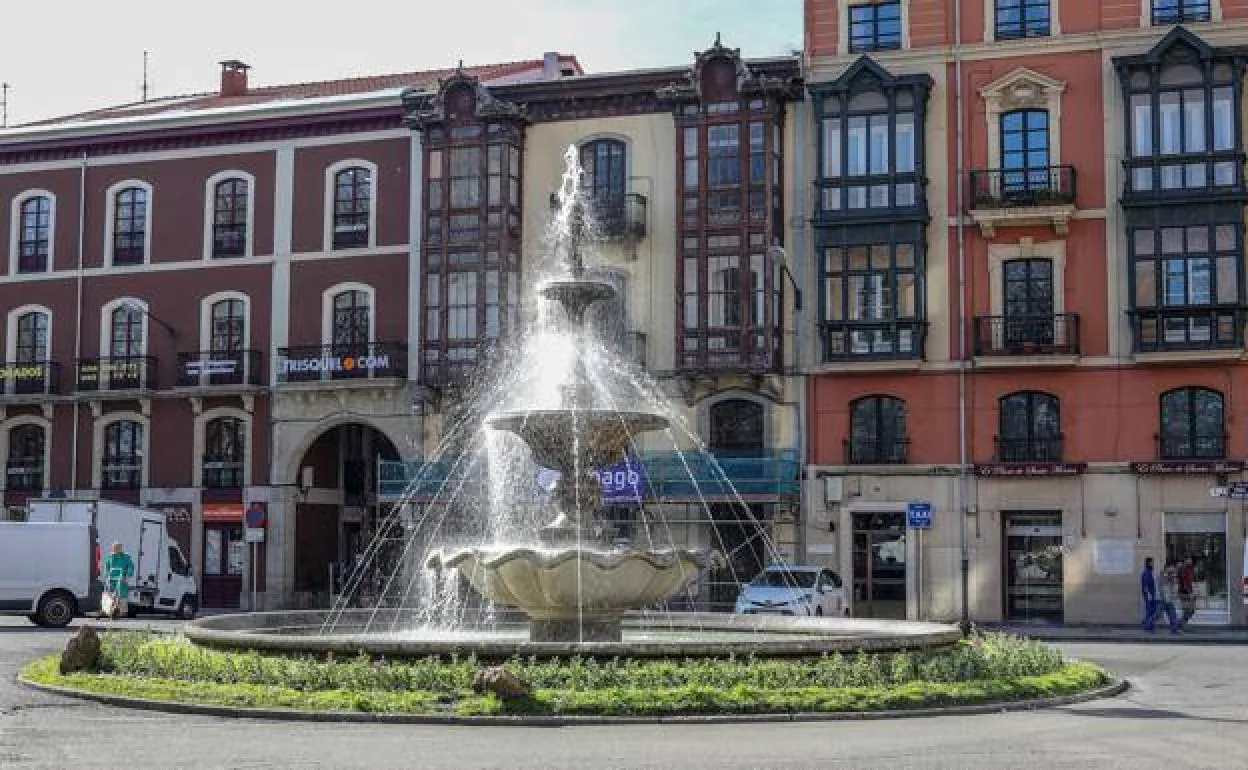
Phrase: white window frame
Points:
(205, 327)
(106, 325)
(16, 313)
(990, 22)
(327, 310)
(200, 443)
(97, 442)
(6, 429)
(330, 173)
(842, 26)
(15, 229)
(110, 217)
(210, 210)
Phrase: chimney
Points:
(550, 65)
(233, 78)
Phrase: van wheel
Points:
(187, 610)
(56, 610)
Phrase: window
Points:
(870, 147)
(730, 196)
(122, 466)
(27, 449)
(229, 326)
(34, 234)
(32, 338)
(874, 27)
(1179, 11)
(1030, 429)
(472, 233)
(1187, 286)
(1025, 153)
(224, 442)
(605, 181)
(1029, 317)
(229, 218)
(352, 216)
(1193, 425)
(877, 431)
(352, 328)
(126, 324)
(1022, 18)
(737, 428)
(130, 210)
(871, 296)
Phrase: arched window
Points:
(126, 324)
(351, 322)
(877, 433)
(605, 182)
(130, 226)
(224, 452)
(122, 463)
(1025, 154)
(1193, 425)
(737, 428)
(24, 468)
(32, 337)
(1030, 429)
(34, 234)
(229, 218)
(352, 207)
(229, 326)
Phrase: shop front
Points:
(1202, 537)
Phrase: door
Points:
(1201, 537)
(224, 555)
(147, 561)
(1025, 156)
(1033, 567)
(879, 556)
(1028, 303)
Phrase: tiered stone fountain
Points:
(576, 586)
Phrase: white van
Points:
(48, 571)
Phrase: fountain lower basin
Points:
(575, 593)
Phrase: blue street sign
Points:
(919, 515)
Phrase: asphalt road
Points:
(1188, 708)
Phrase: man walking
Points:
(1148, 590)
(1187, 589)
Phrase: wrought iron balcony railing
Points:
(872, 451)
(621, 217)
(222, 472)
(318, 363)
(1029, 450)
(1013, 188)
(24, 475)
(873, 340)
(121, 473)
(1027, 335)
(206, 368)
(1192, 447)
(29, 378)
(1212, 327)
(116, 373)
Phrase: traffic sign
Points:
(919, 514)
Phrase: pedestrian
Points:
(1167, 592)
(118, 569)
(1187, 590)
(1148, 590)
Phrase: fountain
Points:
(579, 587)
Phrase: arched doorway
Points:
(737, 436)
(337, 510)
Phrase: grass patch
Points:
(994, 668)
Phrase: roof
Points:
(294, 93)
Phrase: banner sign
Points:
(1029, 470)
(328, 363)
(624, 482)
(121, 369)
(211, 366)
(1180, 467)
(31, 371)
(231, 513)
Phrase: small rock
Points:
(501, 682)
(82, 653)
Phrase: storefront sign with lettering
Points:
(1186, 467)
(1029, 470)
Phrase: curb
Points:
(1113, 688)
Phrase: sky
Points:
(93, 55)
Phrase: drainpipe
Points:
(963, 374)
(801, 136)
(82, 228)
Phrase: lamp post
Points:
(137, 308)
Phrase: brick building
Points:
(1027, 232)
(274, 296)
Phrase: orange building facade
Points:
(1025, 223)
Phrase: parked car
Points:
(789, 590)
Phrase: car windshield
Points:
(779, 578)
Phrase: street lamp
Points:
(776, 252)
(135, 307)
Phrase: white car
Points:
(784, 590)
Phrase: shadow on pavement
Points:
(1140, 712)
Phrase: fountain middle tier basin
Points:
(575, 593)
(558, 437)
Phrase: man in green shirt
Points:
(118, 569)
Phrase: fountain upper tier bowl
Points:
(577, 295)
(565, 439)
